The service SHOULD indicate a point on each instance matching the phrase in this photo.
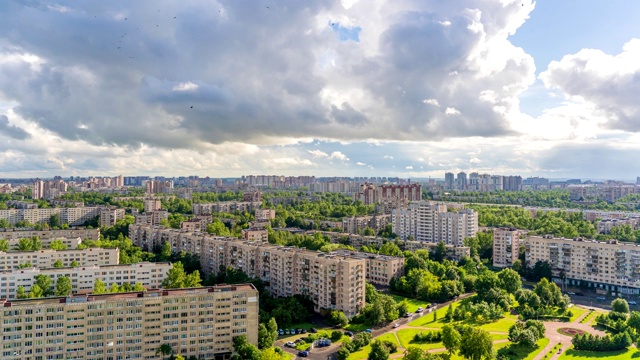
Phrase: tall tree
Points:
(57, 244)
(20, 293)
(193, 280)
(165, 350)
(4, 245)
(36, 292)
(176, 277)
(45, 283)
(476, 344)
(451, 339)
(378, 351)
(63, 286)
(510, 280)
(58, 264)
(620, 305)
(99, 287)
(166, 251)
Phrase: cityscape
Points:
(325, 180)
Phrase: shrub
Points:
(428, 336)
(336, 335)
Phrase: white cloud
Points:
(450, 111)
(474, 160)
(409, 167)
(388, 157)
(433, 102)
(360, 163)
(338, 155)
(318, 153)
(187, 86)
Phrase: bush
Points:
(336, 335)
(601, 343)
(428, 336)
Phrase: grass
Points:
(294, 337)
(357, 327)
(412, 304)
(427, 319)
(364, 352)
(627, 354)
(587, 318)
(577, 312)
(594, 315)
(516, 352)
(406, 339)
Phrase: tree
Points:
(54, 221)
(4, 245)
(63, 286)
(272, 327)
(36, 244)
(165, 350)
(390, 249)
(620, 305)
(439, 252)
(264, 338)
(541, 270)
(36, 292)
(271, 354)
(343, 353)
(58, 264)
(45, 283)
(339, 318)
(115, 288)
(449, 314)
(139, 287)
(486, 281)
(193, 280)
(166, 251)
(476, 344)
(510, 280)
(24, 244)
(176, 277)
(244, 349)
(415, 353)
(517, 266)
(99, 287)
(217, 227)
(20, 293)
(378, 351)
(403, 307)
(451, 339)
(25, 265)
(57, 244)
(74, 263)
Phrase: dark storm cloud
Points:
(12, 130)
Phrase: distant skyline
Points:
(410, 88)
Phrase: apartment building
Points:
(197, 322)
(224, 206)
(255, 234)
(452, 252)
(83, 278)
(380, 268)
(434, 222)
(49, 189)
(47, 257)
(357, 224)
(71, 243)
(506, 246)
(151, 218)
(109, 216)
(370, 193)
(605, 226)
(265, 214)
(332, 281)
(44, 235)
(610, 265)
(152, 204)
(71, 216)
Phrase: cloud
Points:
(610, 82)
(360, 163)
(433, 102)
(12, 131)
(339, 156)
(409, 167)
(388, 157)
(188, 86)
(318, 153)
(452, 111)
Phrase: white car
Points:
(395, 325)
(419, 310)
(290, 344)
(632, 302)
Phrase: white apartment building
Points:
(151, 218)
(83, 233)
(605, 226)
(200, 322)
(47, 257)
(506, 246)
(332, 281)
(83, 278)
(71, 216)
(380, 268)
(225, 206)
(109, 216)
(609, 265)
(434, 222)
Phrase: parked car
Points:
(304, 331)
(348, 333)
(407, 315)
(579, 294)
(286, 331)
(419, 310)
(290, 344)
(395, 325)
(632, 302)
(298, 331)
(367, 330)
(570, 293)
(601, 298)
(281, 332)
(303, 353)
(313, 330)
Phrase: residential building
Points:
(265, 214)
(332, 281)
(152, 204)
(380, 268)
(371, 193)
(46, 258)
(72, 216)
(357, 224)
(605, 226)
(70, 243)
(49, 189)
(461, 181)
(255, 234)
(252, 196)
(225, 206)
(200, 322)
(611, 265)
(83, 278)
(109, 216)
(44, 235)
(506, 246)
(151, 218)
(434, 222)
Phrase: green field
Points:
(364, 352)
(412, 304)
(577, 312)
(628, 354)
(515, 352)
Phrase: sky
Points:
(408, 88)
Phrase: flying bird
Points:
(174, 17)
(192, 106)
(125, 18)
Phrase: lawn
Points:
(364, 352)
(577, 312)
(412, 304)
(357, 327)
(501, 325)
(427, 319)
(606, 355)
(515, 352)
(305, 326)
(594, 315)
(406, 339)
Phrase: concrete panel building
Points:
(47, 257)
(434, 222)
(506, 246)
(199, 322)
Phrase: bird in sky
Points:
(192, 106)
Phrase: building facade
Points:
(225, 206)
(610, 265)
(265, 214)
(109, 216)
(72, 216)
(506, 246)
(46, 258)
(332, 281)
(357, 224)
(83, 278)
(201, 322)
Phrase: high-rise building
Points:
(200, 322)
(448, 181)
(45, 258)
(331, 281)
(506, 246)
(461, 181)
(434, 222)
(109, 216)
